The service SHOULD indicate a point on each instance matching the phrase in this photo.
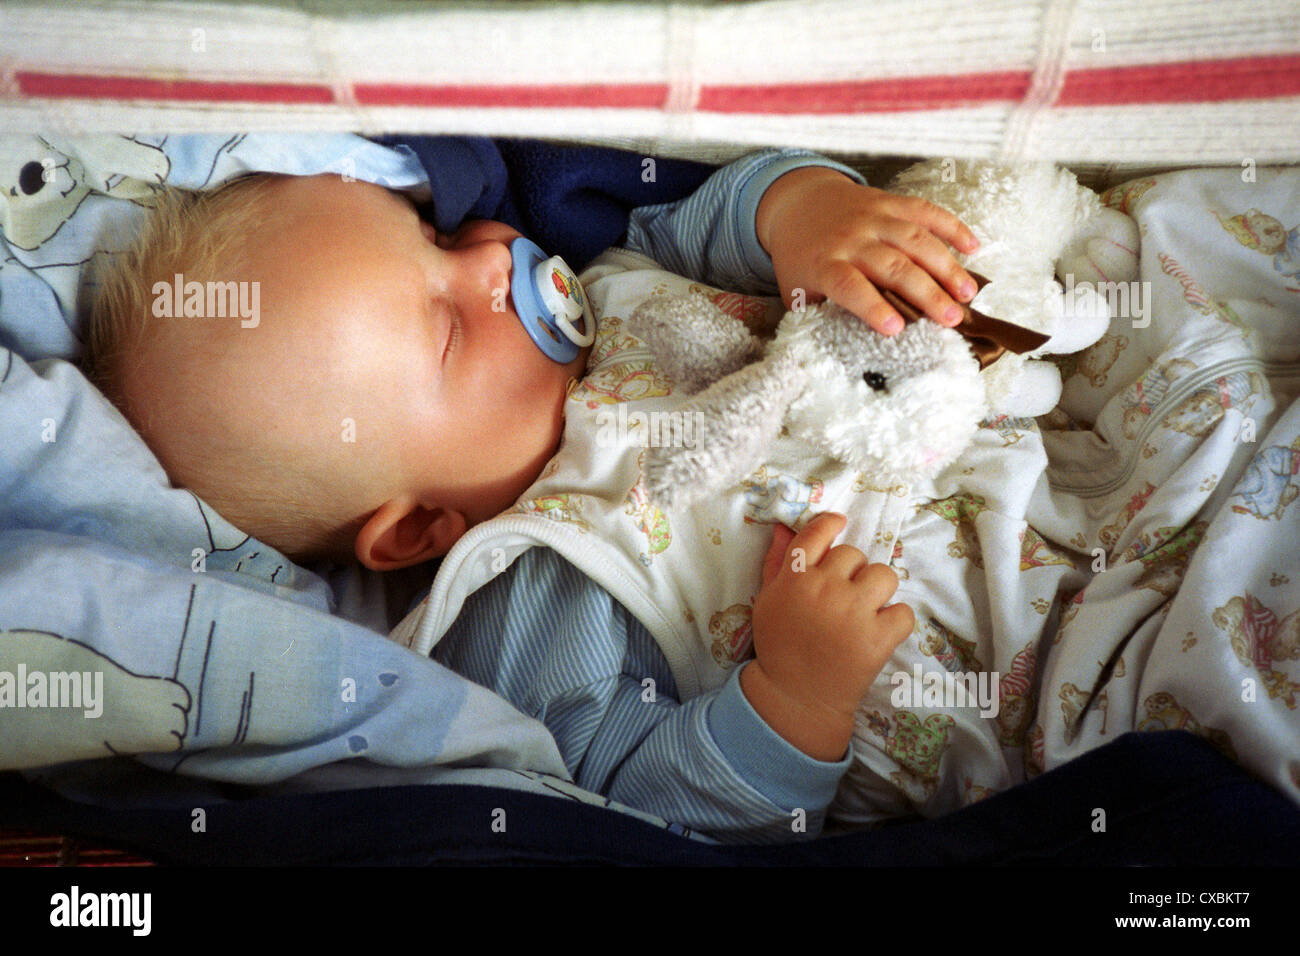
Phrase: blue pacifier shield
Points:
(550, 302)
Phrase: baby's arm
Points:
(710, 235)
(827, 232)
(593, 674)
(710, 763)
(822, 634)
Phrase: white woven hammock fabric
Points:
(1076, 81)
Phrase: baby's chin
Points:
(560, 381)
(567, 377)
(570, 376)
(554, 380)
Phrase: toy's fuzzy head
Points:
(1022, 213)
(896, 407)
(1026, 216)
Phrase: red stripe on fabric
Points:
(87, 87)
(591, 95)
(867, 96)
(1200, 81)
(1182, 82)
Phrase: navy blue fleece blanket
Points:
(573, 201)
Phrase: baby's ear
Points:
(403, 532)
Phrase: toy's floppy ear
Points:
(1078, 320)
(1085, 317)
(732, 422)
(1104, 249)
(695, 342)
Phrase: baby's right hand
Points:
(822, 633)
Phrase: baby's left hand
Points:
(835, 239)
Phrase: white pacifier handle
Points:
(564, 307)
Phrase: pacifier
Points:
(549, 300)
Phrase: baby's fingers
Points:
(875, 584)
(928, 263)
(895, 624)
(776, 552)
(940, 222)
(816, 537)
(848, 287)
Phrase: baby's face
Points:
(396, 351)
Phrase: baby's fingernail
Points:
(952, 314)
(892, 324)
(967, 289)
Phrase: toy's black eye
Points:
(875, 380)
(30, 179)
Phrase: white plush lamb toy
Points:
(899, 407)
(1027, 217)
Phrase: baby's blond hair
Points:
(201, 235)
(193, 233)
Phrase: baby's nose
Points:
(483, 269)
(482, 230)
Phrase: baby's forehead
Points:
(245, 315)
(319, 222)
(328, 191)
(326, 260)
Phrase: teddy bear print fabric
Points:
(1193, 620)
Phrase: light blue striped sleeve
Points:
(561, 649)
(710, 236)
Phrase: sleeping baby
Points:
(392, 403)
